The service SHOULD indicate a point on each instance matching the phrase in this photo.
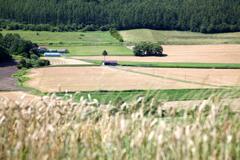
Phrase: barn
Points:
(52, 54)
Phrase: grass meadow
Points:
(173, 64)
(66, 38)
(78, 43)
(113, 50)
(179, 37)
(119, 97)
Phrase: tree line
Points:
(13, 47)
(207, 16)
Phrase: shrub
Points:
(29, 63)
(43, 62)
(34, 57)
(148, 49)
(116, 35)
(4, 55)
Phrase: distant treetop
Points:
(208, 16)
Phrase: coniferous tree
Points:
(195, 15)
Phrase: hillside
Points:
(208, 16)
(179, 37)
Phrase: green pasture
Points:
(93, 43)
(113, 50)
(67, 38)
(173, 64)
(179, 37)
(160, 95)
(78, 43)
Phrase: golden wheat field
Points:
(49, 129)
(128, 78)
(185, 53)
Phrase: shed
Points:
(52, 54)
(52, 50)
(110, 63)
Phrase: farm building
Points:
(110, 63)
(58, 50)
(41, 50)
(52, 54)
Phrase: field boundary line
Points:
(168, 78)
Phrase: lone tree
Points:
(105, 53)
(148, 49)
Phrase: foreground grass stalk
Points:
(49, 128)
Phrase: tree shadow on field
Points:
(162, 55)
(8, 64)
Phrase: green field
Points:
(114, 50)
(78, 43)
(160, 95)
(93, 43)
(67, 38)
(179, 37)
(173, 64)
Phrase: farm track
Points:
(7, 82)
(165, 77)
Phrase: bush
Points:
(29, 63)
(4, 55)
(116, 35)
(43, 62)
(34, 57)
(148, 49)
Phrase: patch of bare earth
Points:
(214, 77)
(18, 96)
(186, 53)
(127, 78)
(65, 61)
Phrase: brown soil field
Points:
(215, 77)
(127, 78)
(65, 61)
(186, 53)
(18, 96)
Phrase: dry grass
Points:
(53, 129)
(128, 78)
(17, 95)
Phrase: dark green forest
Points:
(207, 16)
